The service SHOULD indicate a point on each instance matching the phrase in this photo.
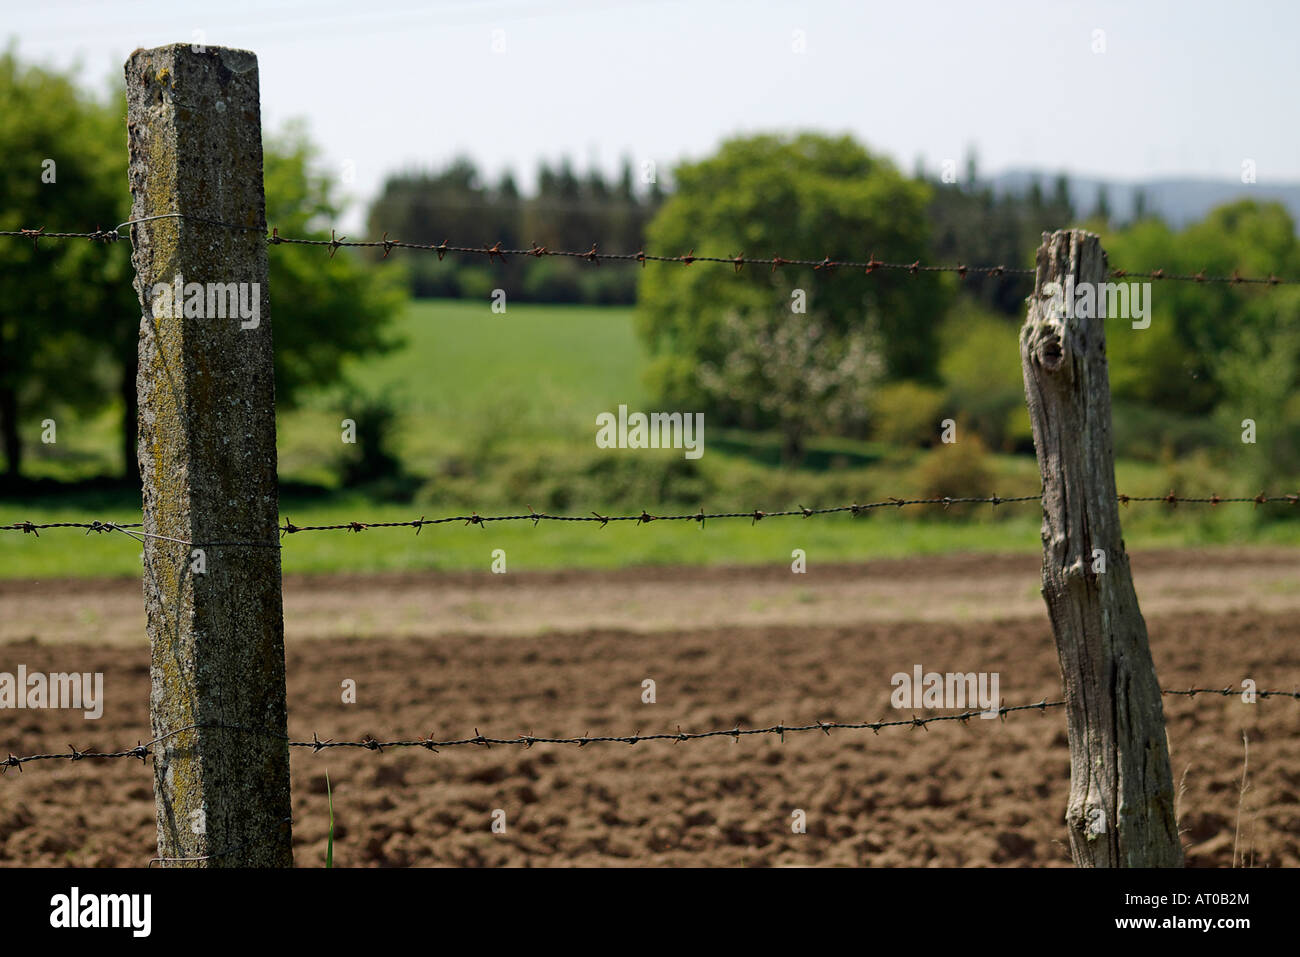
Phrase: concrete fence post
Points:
(208, 459)
(1121, 807)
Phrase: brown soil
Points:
(723, 646)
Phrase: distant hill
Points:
(1177, 201)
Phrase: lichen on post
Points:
(207, 457)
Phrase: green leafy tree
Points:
(324, 310)
(799, 376)
(974, 225)
(981, 372)
(1217, 354)
(1175, 364)
(1101, 212)
(51, 303)
(808, 196)
(69, 313)
(567, 212)
(371, 458)
(452, 203)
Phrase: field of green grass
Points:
(474, 390)
(466, 375)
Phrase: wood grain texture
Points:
(1121, 807)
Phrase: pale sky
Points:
(1163, 90)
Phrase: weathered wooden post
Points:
(207, 458)
(1121, 807)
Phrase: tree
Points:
(1101, 211)
(568, 212)
(1036, 199)
(1215, 354)
(809, 196)
(972, 170)
(51, 136)
(796, 373)
(981, 227)
(1061, 194)
(1141, 208)
(1248, 338)
(325, 310)
(1176, 363)
(420, 206)
(69, 315)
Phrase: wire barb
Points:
(428, 742)
(642, 517)
(498, 251)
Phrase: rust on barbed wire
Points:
(642, 517)
(133, 530)
(36, 235)
(494, 252)
(143, 750)
(479, 739)
(825, 264)
(1228, 692)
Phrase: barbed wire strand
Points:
(497, 252)
(143, 750)
(130, 529)
(1229, 691)
(642, 518)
